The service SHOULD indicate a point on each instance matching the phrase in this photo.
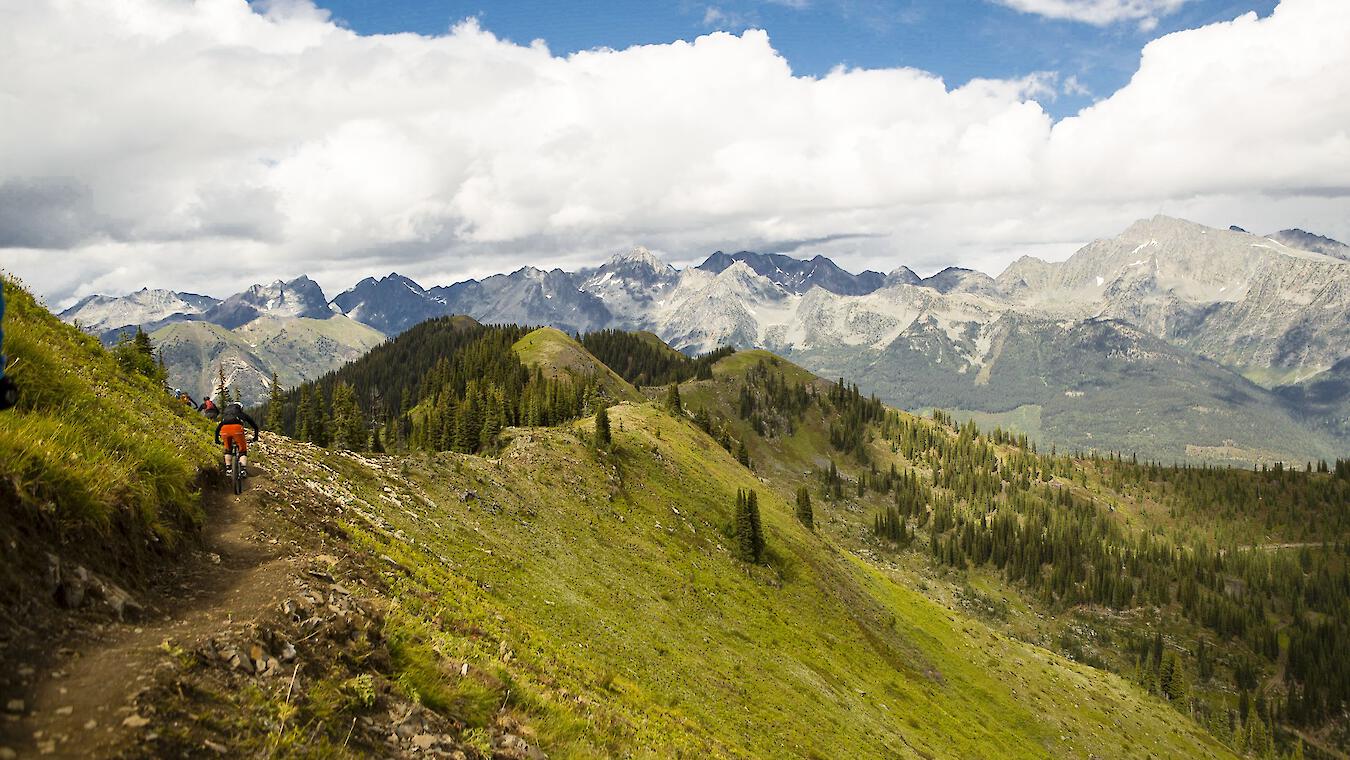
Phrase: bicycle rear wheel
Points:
(236, 471)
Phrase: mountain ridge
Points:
(1256, 306)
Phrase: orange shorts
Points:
(234, 433)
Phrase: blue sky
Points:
(956, 39)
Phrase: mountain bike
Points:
(236, 469)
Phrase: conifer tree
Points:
(303, 413)
(349, 424)
(756, 527)
(602, 433)
(673, 402)
(747, 527)
(316, 424)
(804, 512)
(275, 419)
(222, 390)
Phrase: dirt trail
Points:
(81, 704)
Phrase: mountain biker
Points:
(231, 428)
(209, 409)
(9, 392)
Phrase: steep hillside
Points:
(99, 470)
(589, 601)
(930, 503)
(1324, 399)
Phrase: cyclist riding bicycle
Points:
(231, 430)
(209, 409)
(9, 392)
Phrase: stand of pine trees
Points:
(642, 361)
(993, 501)
(446, 385)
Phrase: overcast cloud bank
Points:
(205, 146)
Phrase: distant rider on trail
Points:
(231, 429)
(209, 408)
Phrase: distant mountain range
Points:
(1171, 339)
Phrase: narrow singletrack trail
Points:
(82, 703)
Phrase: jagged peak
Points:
(903, 275)
(638, 255)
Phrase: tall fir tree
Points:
(602, 432)
(756, 526)
(222, 390)
(303, 414)
(673, 402)
(276, 419)
(316, 425)
(804, 512)
(749, 530)
(349, 423)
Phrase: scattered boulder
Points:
(72, 588)
(119, 601)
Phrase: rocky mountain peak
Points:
(962, 280)
(638, 256)
(798, 275)
(903, 275)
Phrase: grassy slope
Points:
(1086, 632)
(612, 569)
(655, 341)
(557, 351)
(96, 466)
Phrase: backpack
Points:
(209, 405)
(233, 412)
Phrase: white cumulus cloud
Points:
(204, 146)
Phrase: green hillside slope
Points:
(1233, 571)
(98, 465)
(608, 577)
(555, 351)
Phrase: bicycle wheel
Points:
(236, 471)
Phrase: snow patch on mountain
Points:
(100, 313)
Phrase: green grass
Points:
(556, 351)
(598, 593)
(91, 452)
(1024, 419)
